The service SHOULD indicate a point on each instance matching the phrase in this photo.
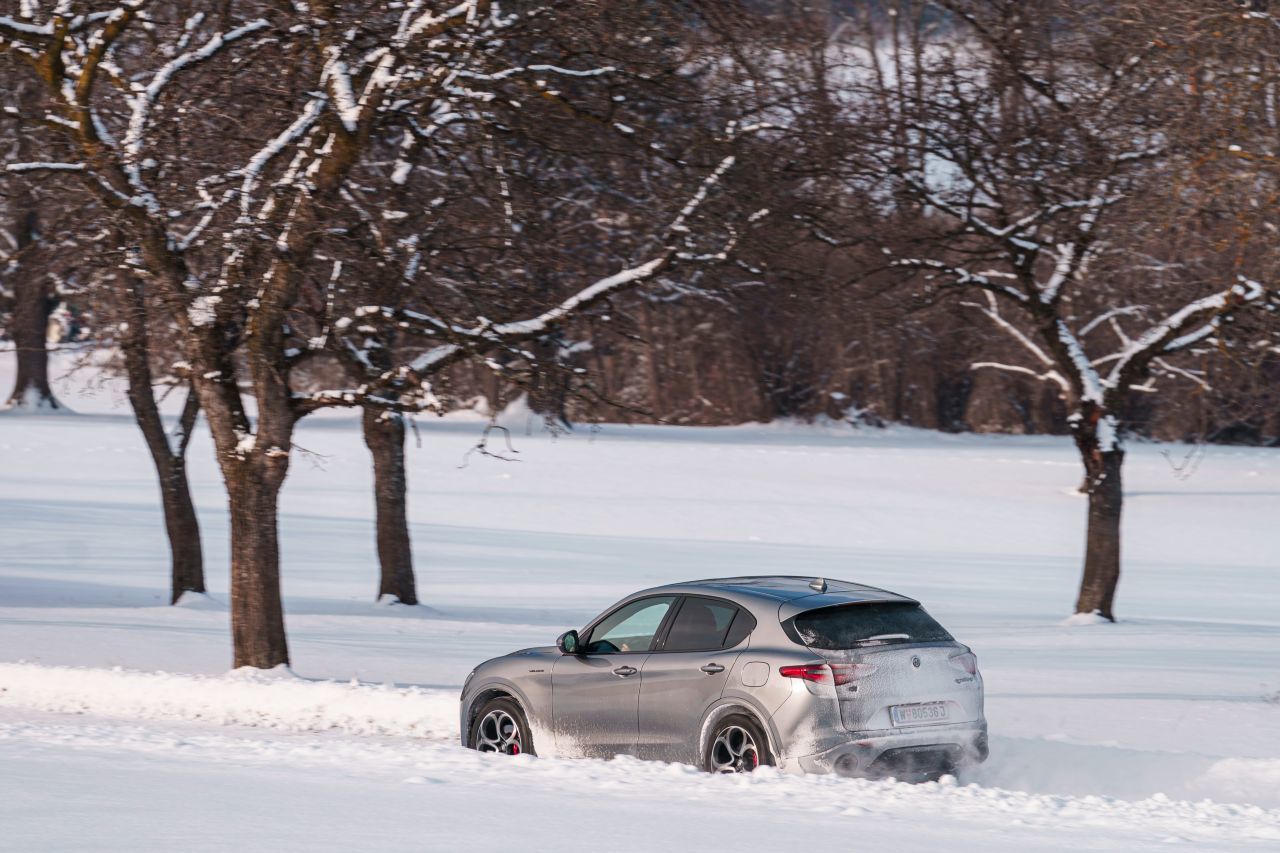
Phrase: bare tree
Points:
(42, 269)
(26, 286)
(529, 218)
(226, 240)
(1035, 137)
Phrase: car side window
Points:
(701, 625)
(743, 624)
(630, 628)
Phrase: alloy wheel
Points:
(499, 732)
(734, 751)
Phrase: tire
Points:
(738, 744)
(500, 726)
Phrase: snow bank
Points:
(276, 700)
(1243, 780)
(1062, 767)
(474, 787)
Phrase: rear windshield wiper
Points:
(883, 638)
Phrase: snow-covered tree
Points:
(1051, 146)
(232, 144)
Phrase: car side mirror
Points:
(568, 643)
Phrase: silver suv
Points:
(804, 674)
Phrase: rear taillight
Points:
(967, 661)
(816, 672)
(828, 673)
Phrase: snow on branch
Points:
(1107, 316)
(962, 276)
(486, 333)
(44, 167)
(1092, 205)
(552, 69)
(13, 28)
(469, 340)
(992, 311)
(145, 97)
(411, 26)
(582, 299)
(338, 77)
(434, 358)
(253, 169)
(1187, 326)
(700, 196)
(1071, 258)
(1047, 376)
(1194, 375)
(1194, 323)
(1092, 388)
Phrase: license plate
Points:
(918, 715)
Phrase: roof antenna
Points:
(818, 584)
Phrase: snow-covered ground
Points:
(1163, 728)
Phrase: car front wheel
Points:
(500, 727)
(738, 745)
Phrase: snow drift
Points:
(275, 700)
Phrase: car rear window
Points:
(851, 626)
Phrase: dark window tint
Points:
(853, 625)
(743, 624)
(701, 625)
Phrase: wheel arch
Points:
(485, 692)
(727, 708)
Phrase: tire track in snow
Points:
(433, 763)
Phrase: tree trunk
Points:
(384, 435)
(1102, 545)
(253, 468)
(257, 614)
(186, 558)
(32, 305)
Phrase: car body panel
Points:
(674, 698)
(524, 676)
(666, 708)
(594, 710)
(907, 674)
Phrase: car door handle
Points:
(712, 668)
(625, 671)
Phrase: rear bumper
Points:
(902, 752)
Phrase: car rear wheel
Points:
(500, 727)
(738, 745)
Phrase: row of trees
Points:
(283, 207)
(330, 204)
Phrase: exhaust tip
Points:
(846, 765)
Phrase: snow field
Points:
(1203, 824)
(280, 701)
(1103, 737)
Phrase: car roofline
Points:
(776, 593)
